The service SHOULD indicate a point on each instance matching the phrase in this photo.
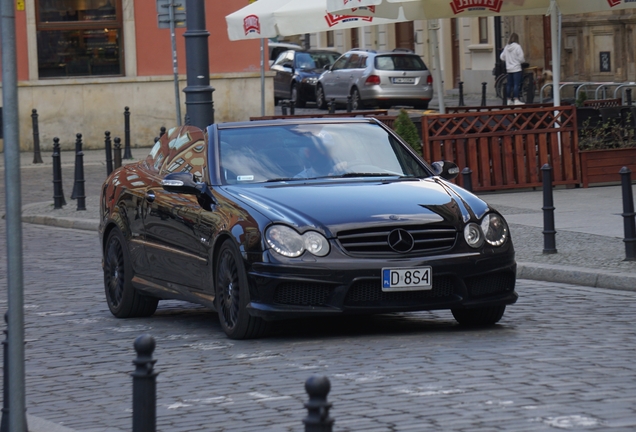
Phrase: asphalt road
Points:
(561, 358)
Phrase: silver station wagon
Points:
(376, 78)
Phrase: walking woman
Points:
(512, 54)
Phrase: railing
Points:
(580, 86)
(505, 149)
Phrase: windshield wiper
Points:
(365, 174)
(280, 179)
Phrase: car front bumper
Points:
(297, 288)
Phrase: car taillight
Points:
(429, 80)
(372, 80)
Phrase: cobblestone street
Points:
(561, 358)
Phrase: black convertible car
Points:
(276, 219)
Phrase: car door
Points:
(284, 69)
(330, 80)
(177, 253)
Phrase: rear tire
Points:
(321, 102)
(484, 316)
(232, 296)
(124, 301)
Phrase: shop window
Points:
(79, 38)
(483, 30)
(330, 41)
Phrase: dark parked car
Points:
(297, 73)
(277, 219)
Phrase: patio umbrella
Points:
(271, 18)
(435, 9)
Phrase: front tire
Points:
(232, 296)
(123, 299)
(321, 102)
(484, 316)
(298, 101)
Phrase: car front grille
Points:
(375, 241)
(483, 286)
(370, 291)
(302, 294)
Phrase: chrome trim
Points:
(171, 250)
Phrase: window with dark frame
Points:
(483, 30)
(79, 38)
(330, 41)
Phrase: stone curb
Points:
(571, 275)
(542, 272)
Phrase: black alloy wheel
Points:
(298, 102)
(232, 296)
(123, 299)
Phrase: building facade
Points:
(81, 62)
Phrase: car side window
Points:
(341, 62)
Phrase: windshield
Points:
(315, 60)
(305, 151)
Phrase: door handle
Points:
(150, 196)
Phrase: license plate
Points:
(407, 279)
(402, 80)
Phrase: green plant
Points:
(407, 130)
(610, 134)
(582, 98)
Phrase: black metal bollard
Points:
(109, 153)
(283, 107)
(349, 103)
(467, 179)
(461, 94)
(127, 152)
(318, 419)
(37, 157)
(117, 152)
(332, 106)
(144, 386)
(292, 107)
(78, 187)
(483, 93)
(549, 232)
(162, 131)
(628, 97)
(530, 93)
(58, 192)
(629, 222)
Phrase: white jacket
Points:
(512, 54)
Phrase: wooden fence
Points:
(506, 149)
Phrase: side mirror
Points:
(445, 169)
(184, 183)
(327, 67)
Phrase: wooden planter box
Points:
(603, 166)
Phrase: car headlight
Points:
(495, 229)
(473, 235)
(310, 80)
(288, 242)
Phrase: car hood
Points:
(332, 206)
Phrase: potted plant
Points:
(605, 148)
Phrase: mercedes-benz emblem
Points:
(401, 241)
